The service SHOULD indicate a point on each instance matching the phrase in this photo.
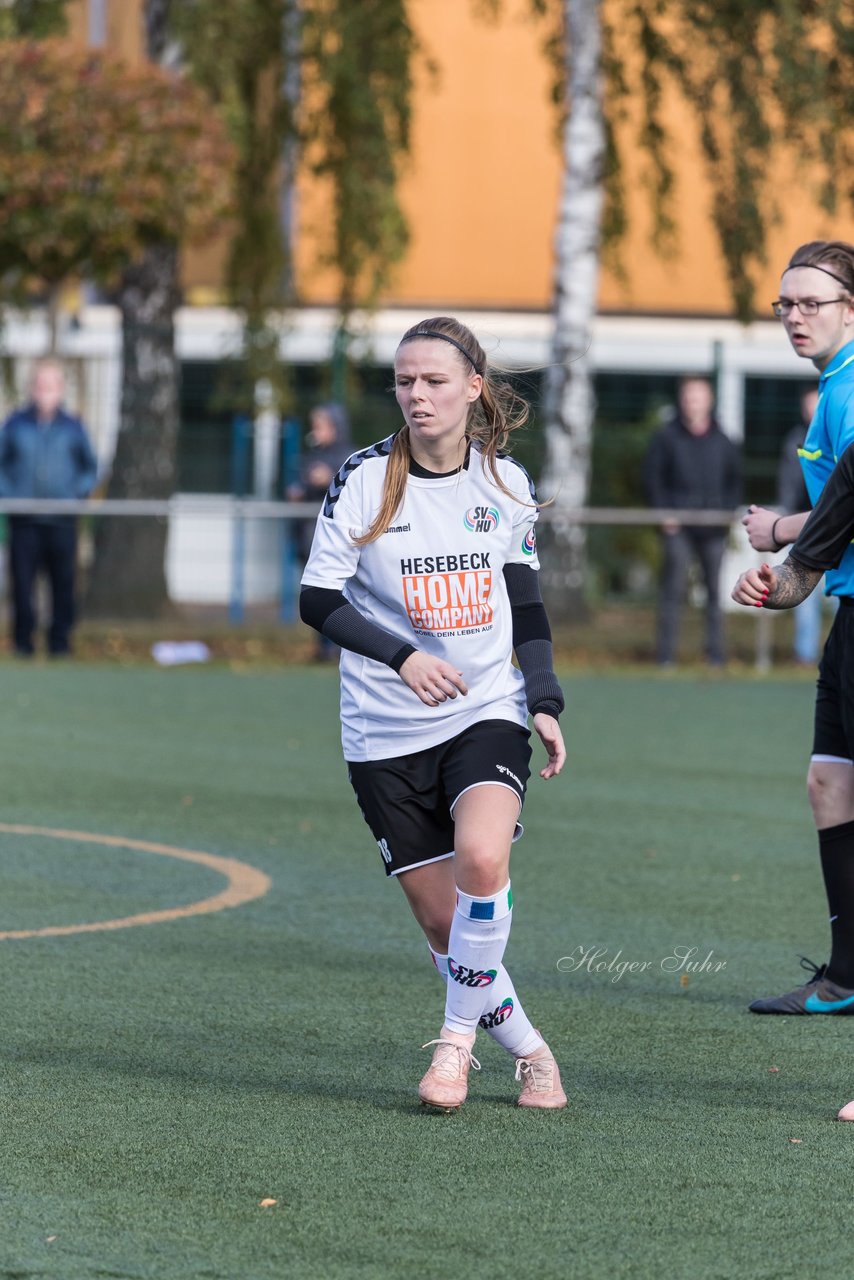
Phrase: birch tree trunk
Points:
(128, 575)
(569, 399)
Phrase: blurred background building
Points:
(480, 192)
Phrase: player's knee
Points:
(818, 792)
(481, 870)
(831, 799)
(473, 850)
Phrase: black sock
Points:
(836, 846)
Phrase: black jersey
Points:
(829, 532)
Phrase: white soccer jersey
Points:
(434, 580)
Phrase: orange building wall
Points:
(481, 187)
(124, 26)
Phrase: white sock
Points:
(479, 932)
(503, 1018)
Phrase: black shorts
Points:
(833, 737)
(408, 801)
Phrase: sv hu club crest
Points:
(481, 519)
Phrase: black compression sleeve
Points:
(827, 534)
(532, 640)
(331, 613)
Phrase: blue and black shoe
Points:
(819, 995)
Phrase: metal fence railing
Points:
(225, 530)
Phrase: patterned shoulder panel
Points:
(507, 457)
(336, 488)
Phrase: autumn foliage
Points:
(99, 160)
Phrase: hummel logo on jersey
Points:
(471, 977)
(399, 528)
(495, 1017)
(502, 768)
(481, 519)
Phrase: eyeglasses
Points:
(808, 307)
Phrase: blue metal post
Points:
(240, 437)
(290, 476)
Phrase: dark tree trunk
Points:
(128, 576)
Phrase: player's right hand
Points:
(753, 586)
(432, 679)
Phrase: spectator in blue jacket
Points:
(44, 453)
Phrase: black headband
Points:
(434, 333)
(815, 267)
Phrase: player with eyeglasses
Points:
(816, 306)
(807, 306)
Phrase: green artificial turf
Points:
(158, 1082)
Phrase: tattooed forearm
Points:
(792, 583)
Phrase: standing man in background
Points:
(44, 453)
(692, 465)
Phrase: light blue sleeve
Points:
(839, 418)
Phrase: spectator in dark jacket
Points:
(329, 446)
(692, 465)
(44, 453)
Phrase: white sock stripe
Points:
(493, 907)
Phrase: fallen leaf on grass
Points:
(684, 980)
(773, 1068)
(267, 1203)
(796, 1140)
(50, 1239)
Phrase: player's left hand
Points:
(759, 521)
(548, 731)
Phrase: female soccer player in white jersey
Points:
(423, 570)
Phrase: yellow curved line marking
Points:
(245, 883)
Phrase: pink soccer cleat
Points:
(540, 1078)
(445, 1084)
